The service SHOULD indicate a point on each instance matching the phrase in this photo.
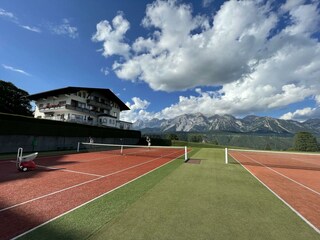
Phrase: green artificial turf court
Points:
(210, 200)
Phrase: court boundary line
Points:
(280, 198)
(296, 182)
(81, 160)
(83, 183)
(73, 171)
(49, 194)
(265, 151)
(100, 196)
(66, 170)
(5, 161)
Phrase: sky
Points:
(164, 58)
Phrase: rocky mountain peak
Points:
(251, 124)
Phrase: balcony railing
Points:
(79, 109)
(98, 104)
(50, 107)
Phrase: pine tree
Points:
(306, 142)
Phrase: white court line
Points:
(287, 204)
(296, 182)
(274, 152)
(80, 160)
(49, 194)
(80, 184)
(6, 161)
(67, 170)
(73, 209)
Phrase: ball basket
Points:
(26, 163)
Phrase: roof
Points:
(67, 90)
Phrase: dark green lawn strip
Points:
(83, 222)
(208, 201)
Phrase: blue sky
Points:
(165, 58)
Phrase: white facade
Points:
(86, 107)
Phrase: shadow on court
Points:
(9, 171)
(16, 187)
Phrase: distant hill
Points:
(228, 123)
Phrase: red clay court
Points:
(63, 183)
(294, 178)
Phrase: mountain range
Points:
(227, 123)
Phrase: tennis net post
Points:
(226, 155)
(185, 153)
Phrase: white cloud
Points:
(207, 3)
(32, 29)
(137, 110)
(302, 114)
(105, 71)
(65, 28)
(291, 4)
(112, 36)
(15, 70)
(259, 63)
(12, 18)
(305, 19)
(6, 14)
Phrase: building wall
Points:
(56, 108)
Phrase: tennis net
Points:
(134, 150)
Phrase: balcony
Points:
(124, 125)
(98, 104)
(79, 109)
(51, 107)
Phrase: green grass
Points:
(184, 201)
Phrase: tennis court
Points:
(294, 178)
(63, 183)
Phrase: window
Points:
(76, 117)
(81, 105)
(62, 103)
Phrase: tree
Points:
(305, 141)
(14, 100)
(215, 142)
(173, 136)
(268, 146)
(195, 138)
